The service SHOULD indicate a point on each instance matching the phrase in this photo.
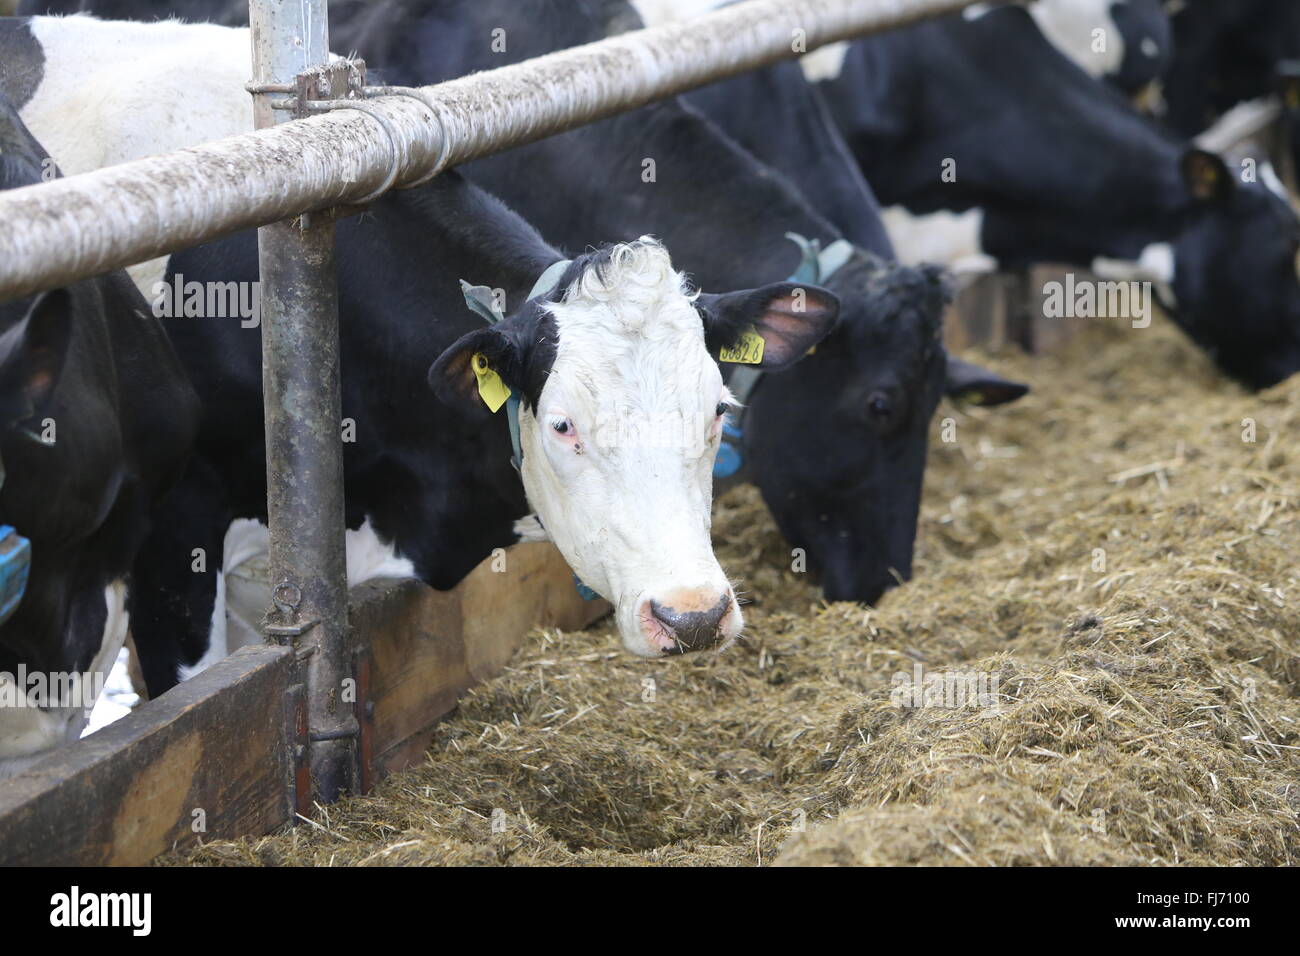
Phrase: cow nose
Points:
(693, 630)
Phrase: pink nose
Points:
(685, 621)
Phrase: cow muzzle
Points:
(682, 621)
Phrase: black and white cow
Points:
(837, 444)
(1127, 43)
(96, 420)
(1225, 54)
(226, 12)
(621, 399)
(981, 117)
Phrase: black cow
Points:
(96, 420)
(837, 444)
(958, 114)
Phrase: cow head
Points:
(620, 416)
(1236, 279)
(837, 444)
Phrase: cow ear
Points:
(467, 376)
(790, 318)
(1206, 175)
(32, 356)
(978, 386)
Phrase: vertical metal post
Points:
(304, 454)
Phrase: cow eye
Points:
(879, 406)
(563, 426)
(722, 409)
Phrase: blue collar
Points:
(483, 303)
(15, 567)
(815, 267)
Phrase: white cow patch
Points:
(821, 64)
(244, 583)
(28, 733)
(952, 239)
(655, 12)
(115, 91)
(1071, 25)
(825, 63)
(119, 697)
(1155, 264)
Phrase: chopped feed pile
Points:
(1106, 587)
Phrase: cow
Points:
(982, 119)
(837, 444)
(96, 421)
(1226, 54)
(610, 364)
(222, 12)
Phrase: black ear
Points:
(1287, 79)
(32, 356)
(789, 317)
(1206, 175)
(970, 383)
(454, 378)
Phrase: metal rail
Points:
(56, 232)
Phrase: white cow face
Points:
(620, 422)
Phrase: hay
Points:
(1145, 707)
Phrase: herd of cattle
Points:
(133, 444)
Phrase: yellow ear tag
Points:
(748, 350)
(493, 391)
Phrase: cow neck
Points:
(815, 267)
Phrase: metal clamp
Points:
(317, 91)
(444, 143)
(287, 597)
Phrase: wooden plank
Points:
(216, 744)
(424, 648)
(980, 314)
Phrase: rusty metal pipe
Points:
(303, 414)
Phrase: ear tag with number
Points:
(748, 350)
(493, 391)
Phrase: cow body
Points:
(97, 421)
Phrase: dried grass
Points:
(1146, 707)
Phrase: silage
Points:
(1112, 555)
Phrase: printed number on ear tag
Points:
(748, 350)
(493, 391)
